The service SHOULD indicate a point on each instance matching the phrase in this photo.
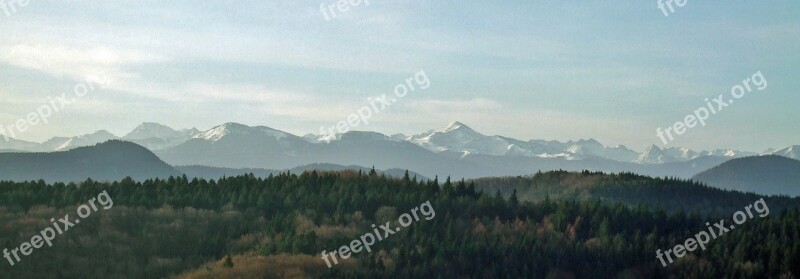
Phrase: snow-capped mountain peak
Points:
(189, 133)
(218, 132)
(224, 130)
(587, 147)
(64, 143)
(367, 136)
(592, 147)
(454, 126)
(354, 136)
(728, 153)
(459, 138)
(456, 138)
(789, 152)
(156, 136)
(653, 155)
(153, 130)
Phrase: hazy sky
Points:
(526, 69)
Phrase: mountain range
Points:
(114, 160)
(455, 150)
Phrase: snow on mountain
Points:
(189, 133)
(155, 136)
(681, 153)
(54, 142)
(239, 146)
(517, 150)
(152, 130)
(67, 143)
(400, 136)
(654, 155)
(592, 147)
(551, 144)
(458, 137)
(361, 136)
(456, 140)
(728, 153)
(221, 131)
(789, 152)
(540, 149)
(231, 129)
(589, 146)
(531, 149)
(312, 138)
(327, 138)
(618, 153)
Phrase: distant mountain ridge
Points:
(789, 152)
(455, 150)
(155, 136)
(112, 160)
(115, 159)
(67, 143)
(238, 146)
(10, 144)
(769, 175)
(455, 137)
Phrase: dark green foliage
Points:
(669, 194)
(473, 235)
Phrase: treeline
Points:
(669, 194)
(163, 228)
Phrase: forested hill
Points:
(769, 174)
(111, 160)
(276, 227)
(665, 193)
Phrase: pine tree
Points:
(513, 200)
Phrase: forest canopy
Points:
(277, 227)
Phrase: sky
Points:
(555, 70)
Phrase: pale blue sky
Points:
(526, 69)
